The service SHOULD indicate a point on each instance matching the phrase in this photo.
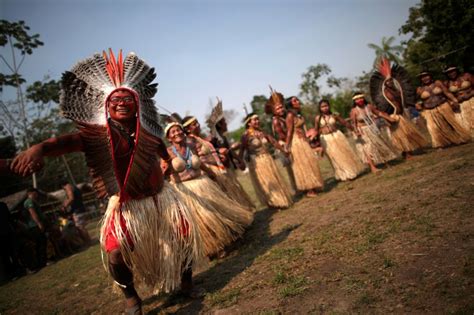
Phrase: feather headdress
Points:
(87, 86)
(275, 98)
(401, 83)
(84, 94)
(217, 114)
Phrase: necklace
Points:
(186, 158)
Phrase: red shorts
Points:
(111, 241)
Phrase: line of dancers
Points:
(172, 206)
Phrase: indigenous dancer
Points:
(461, 85)
(442, 125)
(220, 219)
(304, 164)
(266, 179)
(148, 234)
(392, 93)
(208, 155)
(218, 128)
(370, 144)
(343, 158)
(280, 132)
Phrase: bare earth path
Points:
(398, 242)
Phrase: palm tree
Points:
(386, 50)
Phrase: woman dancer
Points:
(344, 160)
(266, 179)
(392, 92)
(275, 107)
(148, 234)
(304, 163)
(461, 85)
(373, 149)
(220, 219)
(208, 155)
(442, 125)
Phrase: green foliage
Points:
(224, 299)
(16, 34)
(236, 134)
(440, 32)
(341, 103)
(310, 90)
(40, 92)
(386, 50)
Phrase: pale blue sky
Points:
(204, 49)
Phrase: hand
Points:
(165, 166)
(455, 106)
(241, 165)
(223, 151)
(28, 162)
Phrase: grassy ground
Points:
(398, 242)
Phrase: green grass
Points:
(294, 285)
(224, 298)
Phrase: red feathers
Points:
(384, 68)
(114, 68)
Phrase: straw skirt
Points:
(158, 237)
(269, 186)
(228, 182)
(305, 165)
(443, 126)
(466, 115)
(220, 220)
(405, 136)
(342, 156)
(372, 144)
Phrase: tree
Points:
(441, 34)
(310, 91)
(387, 50)
(15, 35)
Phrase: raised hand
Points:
(28, 162)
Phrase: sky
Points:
(204, 49)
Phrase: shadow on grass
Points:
(256, 242)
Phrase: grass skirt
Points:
(227, 181)
(163, 234)
(305, 165)
(443, 126)
(220, 219)
(343, 158)
(269, 186)
(405, 136)
(375, 146)
(466, 115)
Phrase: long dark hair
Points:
(289, 106)
(321, 114)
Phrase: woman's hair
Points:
(288, 104)
(185, 119)
(247, 119)
(320, 113)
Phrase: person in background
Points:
(35, 222)
(461, 86)
(74, 201)
(8, 248)
(437, 106)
